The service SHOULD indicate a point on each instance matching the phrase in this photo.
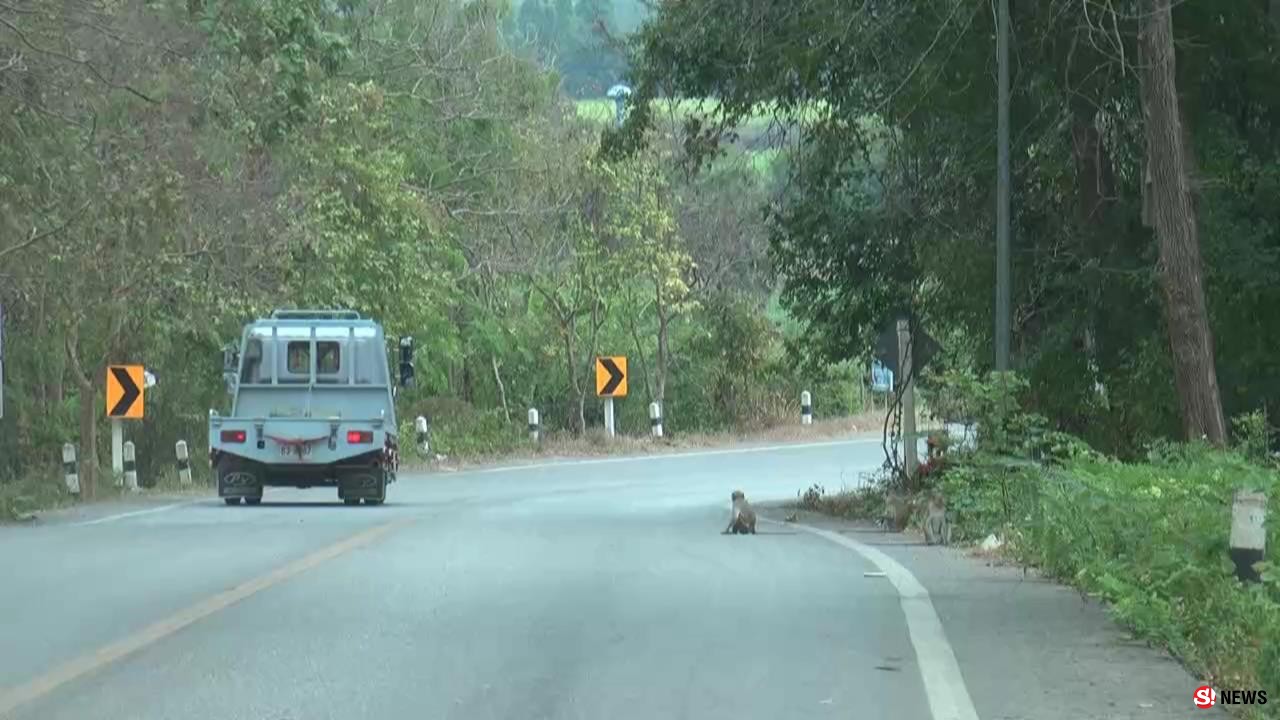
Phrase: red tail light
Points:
(233, 436)
(359, 437)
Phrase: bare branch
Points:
(37, 237)
(82, 63)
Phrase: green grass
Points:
(38, 491)
(1148, 538)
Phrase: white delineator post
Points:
(424, 442)
(608, 416)
(535, 429)
(130, 468)
(1248, 541)
(69, 468)
(117, 451)
(655, 419)
(184, 462)
(806, 408)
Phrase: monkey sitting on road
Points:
(937, 531)
(742, 519)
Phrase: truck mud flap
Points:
(238, 478)
(368, 485)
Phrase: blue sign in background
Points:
(881, 377)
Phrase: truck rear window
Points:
(299, 355)
(328, 355)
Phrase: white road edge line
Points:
(939, 670)
(135, 513)
(669, 456)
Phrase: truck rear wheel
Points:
(231, 501)
(380, 495)
(368, 484)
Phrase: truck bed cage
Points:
(315, 315)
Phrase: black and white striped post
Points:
(535, 429)
(424, 432)
(184, 462)
(1248, 542)
(655, 419)
(69, 468)
(130, 467)
(806, 408)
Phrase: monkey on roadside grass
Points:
(742, 519)
(937, 531)
(897, 512)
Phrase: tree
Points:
(639, 222)
(887, 193)
(1169, 206)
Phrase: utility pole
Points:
(1002, 192)
(910, 459)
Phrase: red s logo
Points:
(1204, 697)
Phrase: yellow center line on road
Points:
(14, 697)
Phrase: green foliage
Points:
(458, 429)
(1152, 540)
(40, 490)
(287, 45)
(359, 238)
(888, 200)
(735, 379)
(1253, 433)
(994, 405)
(399, 158)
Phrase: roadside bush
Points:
(1152, 540)
(40, 489)
(861, 503)
(1251, 434)
(459, 429)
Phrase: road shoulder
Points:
(1029, 647)
(110, 509)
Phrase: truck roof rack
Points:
(315, 315)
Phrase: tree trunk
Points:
(88, 443)
(579, 421)
(1170, 208)
(466, 382)
(502, 389)
(88, 419)
(642, 364)
(660, 360)
(1095, 188)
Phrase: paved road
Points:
(597, 589)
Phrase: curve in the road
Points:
(939, 670)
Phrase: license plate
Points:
(293, 450)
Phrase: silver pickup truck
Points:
(312, 404)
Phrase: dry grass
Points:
(595, 444)
(860, 503)
(21, 499)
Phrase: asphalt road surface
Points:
(594, 589)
